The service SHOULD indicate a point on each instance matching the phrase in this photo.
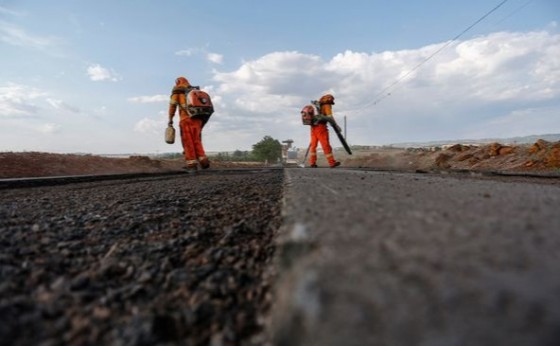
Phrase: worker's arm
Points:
(326, 111)
(172, 108)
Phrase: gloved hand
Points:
(170, 123)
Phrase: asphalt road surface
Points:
(284, 257)
(415, 259)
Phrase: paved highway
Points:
(310, 256)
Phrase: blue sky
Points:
(95, 76)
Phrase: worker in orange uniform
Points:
(320, 133)
(191, 128)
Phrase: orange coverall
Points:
(320, 133)
(191, 128)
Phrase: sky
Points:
(95, 76)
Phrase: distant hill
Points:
(555, 137)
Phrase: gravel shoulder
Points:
(177, 260)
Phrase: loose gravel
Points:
(169, 260)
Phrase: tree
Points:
(268, 149)
(239, 155)
(222, 156)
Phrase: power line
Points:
(385, 92)
(512, 13)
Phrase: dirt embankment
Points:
(542, 156)
(40, 164)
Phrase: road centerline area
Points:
(410, 259)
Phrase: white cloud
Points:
(49, 128)
(186, 52)
(16, 36)
(505, 83)
(17, 100)
(149, 99)
(280, 73)
(210, 56)
(61, 105)
(504, 66)
(215, 58)
(521, 122)
(97, 72)
(149, 126)
(10, 12)
(470, 82)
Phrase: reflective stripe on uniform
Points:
(192, 162)
(329, 155)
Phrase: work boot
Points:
(205, 163)
(190, 168)
(313, 166)
(335, 164)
